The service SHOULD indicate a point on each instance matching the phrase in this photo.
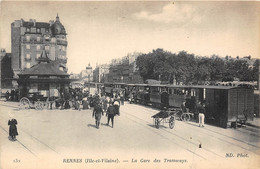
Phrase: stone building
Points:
(87, 74)
(100, 73)
(30, 38)
(6, 74)
(125, 70)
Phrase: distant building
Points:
(30, 38)
(87, 74)
(74, 76)
(6, 70)
(100, 73)
(125, 70)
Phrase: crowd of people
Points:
(13, 95)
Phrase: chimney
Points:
(34, 22)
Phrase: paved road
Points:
(69, 139)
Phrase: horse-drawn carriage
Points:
(34, 100)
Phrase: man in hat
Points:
(111, 111)
(97, 113)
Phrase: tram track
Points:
(232, 143)
(21, 144)
(252, 134)
(27, 147)
(157, 133)
(181, 138)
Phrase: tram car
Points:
(93, 87)
(227, 104)
(159, 96)
(142, 92)
(113, 88)
(224, 104)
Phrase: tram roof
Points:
(203, 86)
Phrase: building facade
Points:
(87, 74)
(6, 71)
(100, 73)
(29, 39)
(124, 70)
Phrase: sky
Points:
(101, 31)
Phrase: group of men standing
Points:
(111, 111)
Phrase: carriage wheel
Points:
(38, 105)
(24, 103)
(157, 122)
(171, 122)
(45, 105)
(185, 117)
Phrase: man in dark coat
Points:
(12, 128)
(97, 113)
(111, 111)
(7, 94)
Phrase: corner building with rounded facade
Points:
(30, 38)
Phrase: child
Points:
(12, 127)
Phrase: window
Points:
(28, 56)
(38, 39)
(27, 46)
(60, 48)
(38, 47)
(47, 47)
(27, 65)
(38, 30)
(27, 38)
(53, 40)
(38, 56)
(28, 30)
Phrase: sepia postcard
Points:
(129, 84)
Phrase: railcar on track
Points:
(224, 104)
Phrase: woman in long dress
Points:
(12, 122)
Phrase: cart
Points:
(34, 100)
(165, 116)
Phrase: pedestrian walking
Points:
(201, 111)
(97, 112)
(117, 105)
(7, 94)
(111, 111)
(12, 122)
(85, 103)
(122, 98)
